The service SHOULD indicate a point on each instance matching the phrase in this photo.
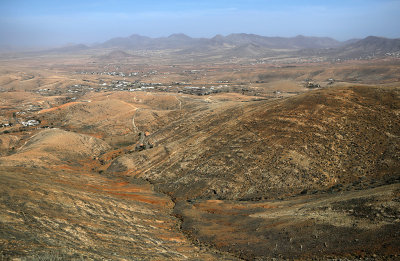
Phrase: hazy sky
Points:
(57, 22)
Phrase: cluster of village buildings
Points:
(122, 85)
(77, 90)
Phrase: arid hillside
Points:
(65, 215)
(338, 138)
(352, 225)
(311, 176)
(49, 148)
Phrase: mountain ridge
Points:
(242, 45)
(182, 40)
(181, 47)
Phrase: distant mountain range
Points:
(240, 46)
(70, 49)
(182, 41)
(370, 46)
(251, 45)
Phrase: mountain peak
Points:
(179, 36)
(371, 37)
(138, 36)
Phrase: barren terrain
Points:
(294, 158)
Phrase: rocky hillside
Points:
(311, 176)
(331, 139)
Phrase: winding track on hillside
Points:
(180, 103)
(136, 129)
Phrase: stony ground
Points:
(361, 224)
(59, 215)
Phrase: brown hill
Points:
(108, 114)
(325, 139)
(64, 215)
(97, 117)
(116, 54)
(49, 148)
(314, 176)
